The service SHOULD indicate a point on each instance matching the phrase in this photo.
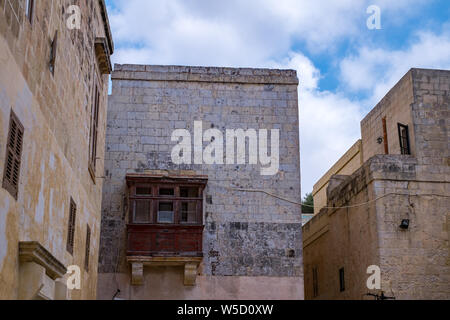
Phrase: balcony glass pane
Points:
(142, 211)
(165, 212)
(189, 192)
(143, 191)
(189, 212)
(166, 192)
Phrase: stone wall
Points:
(248, 235)
(396, 108)
(55, 111)
(342, 238)
(346, 165)
(387, 189)
(431, 114)
(416, 262)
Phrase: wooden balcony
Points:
(158, 240)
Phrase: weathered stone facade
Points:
(386, 190)
(351, 161)
(251, 242)
(55, 111)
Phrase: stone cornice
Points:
(204, 74)
(103, 55)
(32, 251)
(104, 13)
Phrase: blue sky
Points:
(344, 68)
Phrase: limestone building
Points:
(53, 100)
(351, 161)
(394, 211)
(188, 149)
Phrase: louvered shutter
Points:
(13, 156)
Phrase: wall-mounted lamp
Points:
(380, 140)
(405, 224)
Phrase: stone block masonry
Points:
(386, 191)
(247, 235)
(54, 106)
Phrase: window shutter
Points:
(403, 133)
(53, 52)
(88, 248)
(315, 283)
(71, 227)
(13, 156)
(94, 132)
(29, 10)
(341, 280)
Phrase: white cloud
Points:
(261, 33)
(329, 122)
(377, 70)
(236, 32)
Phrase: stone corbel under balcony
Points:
(41, 274)
(190, 265)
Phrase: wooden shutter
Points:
(71, 227)
(385, 136)
(53, 52)
(29, 10)
(94, 132)
(13, 156)
(315, 282)
(403, 133)
(88, 248)
(341, 280)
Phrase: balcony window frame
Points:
(155, 199)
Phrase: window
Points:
(94, 132)
(88, 248)
(385, 137)
(154, 203)
(165, 212)
(53, 49)
(142, 210)
(341, 280)
(11, 171)
(29, 7)
(315, 283)
(166, 192)
(403, 133)
(71, 227)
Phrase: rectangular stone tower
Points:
(194, 158)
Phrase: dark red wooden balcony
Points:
(156, 240)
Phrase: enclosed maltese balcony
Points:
(165, 223)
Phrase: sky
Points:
(344, 67)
